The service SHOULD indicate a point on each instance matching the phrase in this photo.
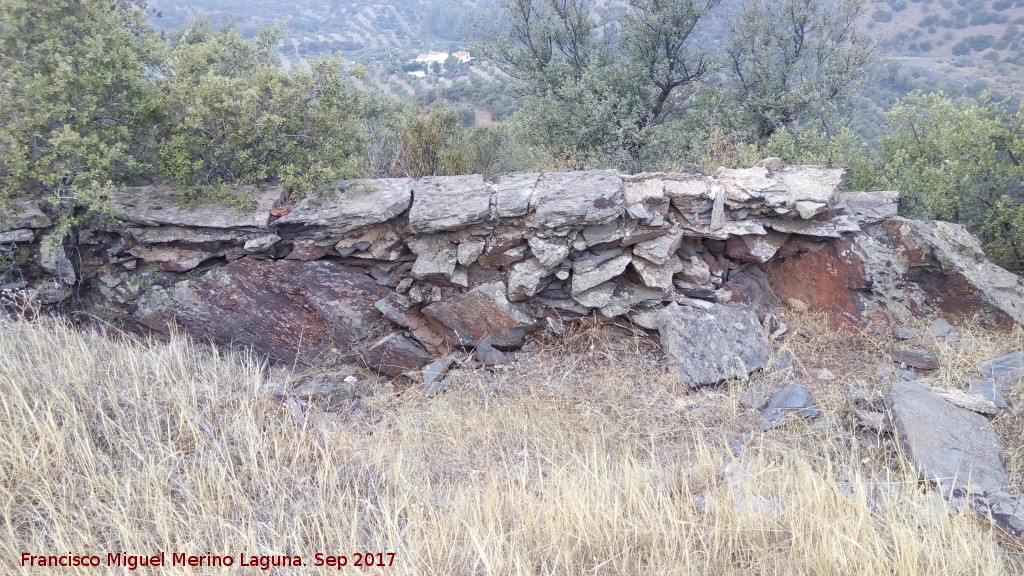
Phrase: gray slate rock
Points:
(469, 250)
(832, 228)
(358, 203)
(587, 274)
(660, 249)
(708, 346)
(20, 235)
(1007, 510)
(628, 296)
(1008, 368)
(488, 355)
(577, 198)
(949, 445)
(512, 194)
(23, 213)
(906, 333)
(54, 260)
(435, 257)
(261, 243)
(596, 297)
(990, 391)
(870, 207)
(433, 371)
(449, 202)
(549, 252)
(942, 330)
(657, 276)
(524, 279)
(601, 233)
(161, 205)
(792, 400)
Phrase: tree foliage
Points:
(796, 64)
(432, 145)
(597, 88)
(236, 116)
(76, 100)
(961, 161)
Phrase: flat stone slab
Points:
(793, 400)
(870, 207)
(577, 198)
(1008, 368)
(353, 204)
(19, 235)
(712, 343)
(23, 213)
(952, 446)
(160, 206)
(449, 203)
(816, 185)
(512, 194)
(586, 276)
(920, 359)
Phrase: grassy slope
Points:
(584, 457)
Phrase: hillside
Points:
(965, 40)
(967, 43)
(383, 29)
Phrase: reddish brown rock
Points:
(306, 250)
(826, 278)
(898, 268)
(394, 354)
(283, 309)
(755, 247)
(483, 313)
(919, 359)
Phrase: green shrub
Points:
(235, 116)
(958, 161)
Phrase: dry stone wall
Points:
(394, 272)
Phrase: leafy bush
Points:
(959, 161)
(76, 102)
(235, 116)
(432, 145)
(976, 42)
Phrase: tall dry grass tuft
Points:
(585, 457)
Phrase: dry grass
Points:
(584, 457)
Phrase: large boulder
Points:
(898, 268)
(284, 309)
